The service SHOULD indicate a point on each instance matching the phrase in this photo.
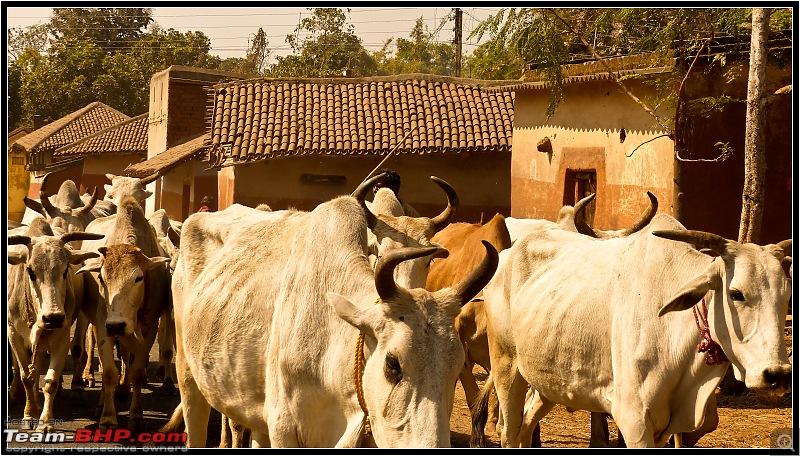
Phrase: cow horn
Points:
(80, 236)
(88, 208)
(384, 270)
(441, 220)
(480, 276)
(646, 217)
(34, 205)
(151, 178)
(580, 219)
(786, 246)
(45, 200)
(19, 240)
(700, 239)
(360, 194)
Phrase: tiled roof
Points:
(126, 137)
(70, 128)
(17, 131)
(170, 158)
(594, 70)
(265, 118)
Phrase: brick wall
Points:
(187, 110)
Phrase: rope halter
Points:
(713, 351)
(358, 377)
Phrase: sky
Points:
(231, 28)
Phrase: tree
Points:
(329, 48)
(34, 37)
(755, 162)
(111, 29)
(495, 59)
(417, 54)
(255, 63)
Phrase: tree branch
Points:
(610, 71)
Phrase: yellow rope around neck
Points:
(358, 374)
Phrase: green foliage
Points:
(545, 42)
(328, 47)
(111, 29)
(495, 59)
(417, 54)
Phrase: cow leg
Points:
(123, 389)
(239, 435)
(30, 380)
(599, 437)
(494, 420)
(635, 428)
(16, 391)
(471, 392)
(139, 376)
(536, 408)
(91, 344)
(710, 423)
(105, 348)
(511, 389)
(225, 433)
(196, 409)
(59, 350)
(259, 439)
(166, 346)
(79, 357)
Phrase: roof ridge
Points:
(99, 132)
(71, 118)
(370, 79)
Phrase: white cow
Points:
(605, 326)
(289, 298)
(131, 290)
(42, 307)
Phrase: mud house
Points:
(18, 178)
(298, 142)
(600, 140)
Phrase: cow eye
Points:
(138, 279)
(737, 295)
(31, 274)
(392, 369)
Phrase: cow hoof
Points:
(169, 386)
(135, 424)
(98, 411)
(160, 373)
(78, 395)
(105, 425)
(44, 428)
(491, 428)
(90, 383)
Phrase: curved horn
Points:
(646, 217)
(480, 276)
(80, 236)
(787, 247)
(360, 194)
(441, 220)
(700, 239)
(19, 240)
(34, 205)
(88, 208)
(44, 198)
(384, 270)
(146, 180)
(580, 219)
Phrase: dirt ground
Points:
(745, 421)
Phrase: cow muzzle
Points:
(53, 320)
(778, 379)
(116, 328)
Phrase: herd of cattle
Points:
(350, 325)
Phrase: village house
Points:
(601, 141)
(18, 178)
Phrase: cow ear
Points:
(155, 261)
(15, 258)
(147, 194)
(108, 188)
(348, 312)
(79, 256)
(689, 295)
(90, 267)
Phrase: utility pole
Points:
(457, 40)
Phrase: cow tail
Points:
(480, 414)
(175, 422)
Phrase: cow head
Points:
(750, 300)
(122, 276)
(390, 232)
(413, 351)
(69, 213)
(122, 186)
(47, 272)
